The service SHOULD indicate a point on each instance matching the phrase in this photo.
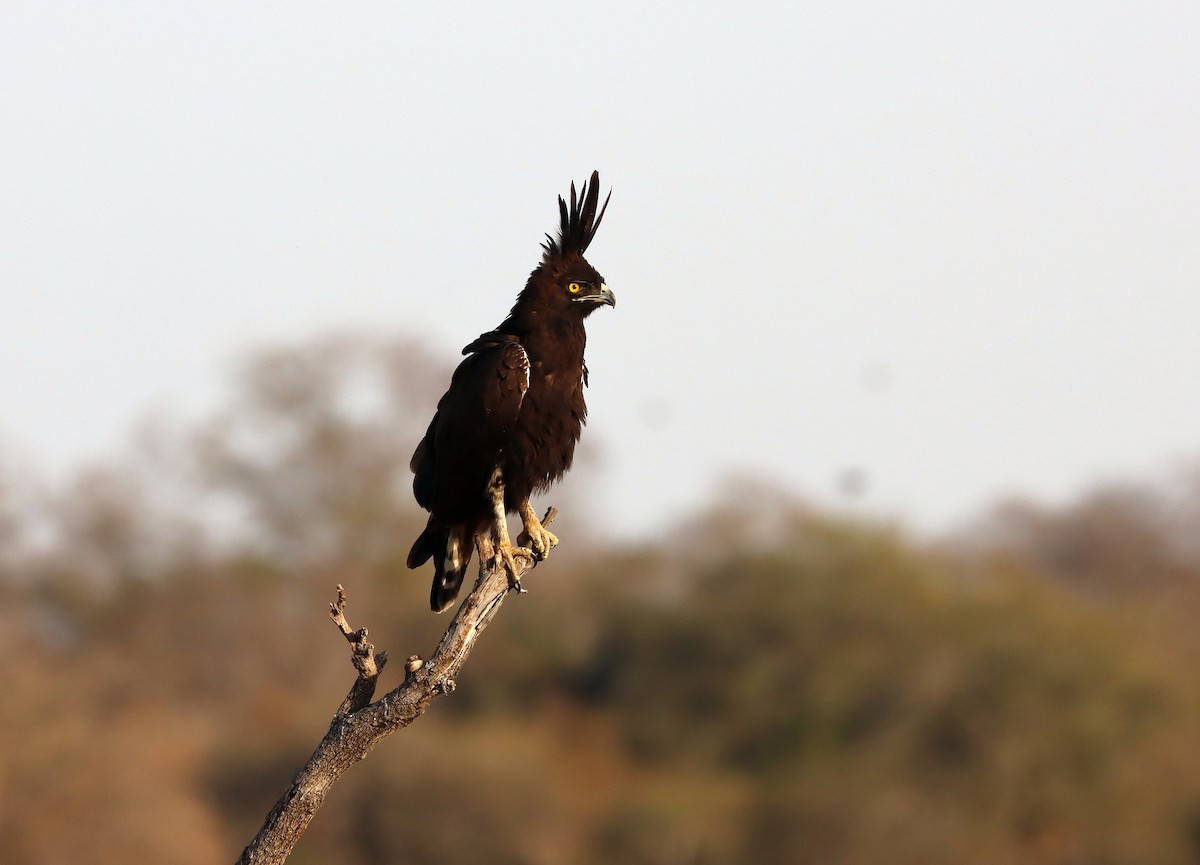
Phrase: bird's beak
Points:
(604, 295)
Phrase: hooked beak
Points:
(604, 295)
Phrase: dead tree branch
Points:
(359, 724)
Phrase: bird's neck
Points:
(557, 342)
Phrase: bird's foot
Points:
(539, 539)
(505, 555)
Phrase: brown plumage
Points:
(507, 426)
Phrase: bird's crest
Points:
(577, 222)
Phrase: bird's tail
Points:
(450, 547)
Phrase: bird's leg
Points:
(504, 548)
(483, 543)
(541, 541)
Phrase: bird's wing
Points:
(464, 441)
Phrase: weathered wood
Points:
(359, 725)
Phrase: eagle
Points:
(507, 426)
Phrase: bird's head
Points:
(564, 281)
(571, 284)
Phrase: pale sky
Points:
(954, 246)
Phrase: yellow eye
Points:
(573, 288)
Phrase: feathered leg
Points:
(504, 546)
(540, 538)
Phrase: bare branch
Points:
(368, 664)
(359, 725)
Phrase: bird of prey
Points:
(507, 426)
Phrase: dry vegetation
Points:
(794, 688)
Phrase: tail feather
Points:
(450, 547)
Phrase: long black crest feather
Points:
(577, 223)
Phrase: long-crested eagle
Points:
(508, 424)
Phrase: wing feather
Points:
(467, 435)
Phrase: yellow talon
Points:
(540, 539)
(506, 554)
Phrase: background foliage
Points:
(764, 683)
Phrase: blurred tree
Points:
(1120, 541)
(774, 684)
(314, 448)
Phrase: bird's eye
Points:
(573, 287)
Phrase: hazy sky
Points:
(954, 246)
